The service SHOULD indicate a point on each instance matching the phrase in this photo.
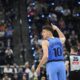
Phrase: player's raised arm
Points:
(45, 54)
(61, 35)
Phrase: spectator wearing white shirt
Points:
(8, 51)
(28, 71)
(8, 69)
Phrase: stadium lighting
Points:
(78, 2)
(29, 27)
(29, 20)
(49, 15)
(62, 11)
(42, 16)
(52, 3)
(32, 48)
(31, 36)
(28, 15)
(77, 14)
(33, 4)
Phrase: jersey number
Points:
(57, 52)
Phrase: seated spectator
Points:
(58, 8)
(24, 77)
(34, 40)
(2, 30)
(73, 39)
(42, 72)
(8, 69)
(20, 72)
(43, 78)
(35, 78)
(9, 32)
(62, 24)
(6, 77)
(15, 77)
(27, 70)
(15, 68)
(66, 11)
(75, 11)
(8, 36)
(9, 56)
(52, 17)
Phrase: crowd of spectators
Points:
(25, 72)
(7, 24)
(6, 39)
(63, 13)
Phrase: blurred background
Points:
(21, 23)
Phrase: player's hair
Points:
(75, 48)
(49, 28)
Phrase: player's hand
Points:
(54, 27)
(38, 70)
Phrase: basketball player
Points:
(53, 53)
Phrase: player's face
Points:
(44, 34)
